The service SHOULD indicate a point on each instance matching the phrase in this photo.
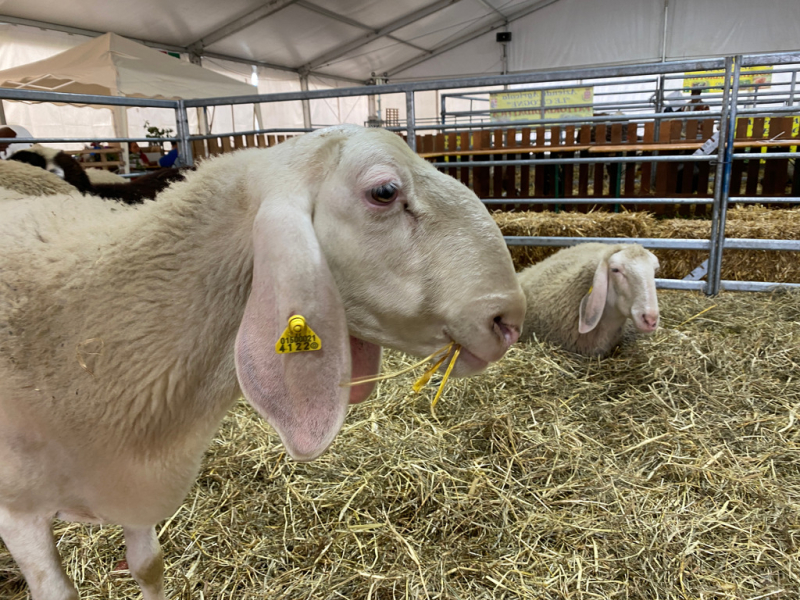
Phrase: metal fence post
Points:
(182, 122)
(722, 177)
(410, 121)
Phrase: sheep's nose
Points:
(507, 332)
(650, 321)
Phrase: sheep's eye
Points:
(385, 193)
(615, 270)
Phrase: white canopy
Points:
(111, 65)
(417, 39)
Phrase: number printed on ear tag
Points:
(297, 337)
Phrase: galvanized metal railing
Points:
(723, 158)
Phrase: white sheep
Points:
(102, 176)
(581, 297)
(126, 335)
(29, 180)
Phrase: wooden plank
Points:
(251, 140)
(754, 164)
(583, 169)
(271, 141)
(480, 175)
(737, 169)
(497, 172)
(226, 144)
(647, 167)
(525, 170)
(614, 169)
(199, 149)
(662, 169)
(554, 177)
(261, 140)
(539, 170)
(466, 172)
(569, 170)
(602, 141)
(776, 170)
(238, 142)
(213, 146)
(704, 168)
(629, 190)
(510, 174)
(451, 145)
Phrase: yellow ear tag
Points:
(591, 287)
(297, 337)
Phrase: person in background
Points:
(13, 131)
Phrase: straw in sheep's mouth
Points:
(442, 354)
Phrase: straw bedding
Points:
(670, 470)
(744, 222)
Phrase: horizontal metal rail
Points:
(209, 136)
(680, 284)
(466, 82)
(63, 97)
(26, 140)
(641, 200)
(573, 161)
(658, 243)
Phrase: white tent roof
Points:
(415, 39)
(111, 65)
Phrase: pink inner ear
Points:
(365, 360)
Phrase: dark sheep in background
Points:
(70, 170)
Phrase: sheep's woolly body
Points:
(554, 289)
(28, 180)
(126, 333)
(121, 263)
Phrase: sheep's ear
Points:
(300, 394)
(594, 301)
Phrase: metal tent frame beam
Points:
(468, 37)
(353, 23)
(235, 26)
(374, 35)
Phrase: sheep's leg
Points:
(145, 561)
(29, 538)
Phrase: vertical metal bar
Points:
(660, 94)
(722, 177)
(444, 108)
(182, 123)
(305, 102)
(411, 131)
(541, 105)
(791, 89)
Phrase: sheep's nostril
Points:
(507, 333)
(650, 321)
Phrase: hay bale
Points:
(670, 470)
(567, 224)
(745, 222)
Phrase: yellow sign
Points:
(530, 105)
(747, 78)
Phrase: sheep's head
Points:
(416, 257)
(382, 248)
(55, 161)
(624, 282)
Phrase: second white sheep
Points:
(581, 297)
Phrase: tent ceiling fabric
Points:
(111, 65)
(413, 39)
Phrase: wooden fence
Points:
(676, 136)
(229, 143)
